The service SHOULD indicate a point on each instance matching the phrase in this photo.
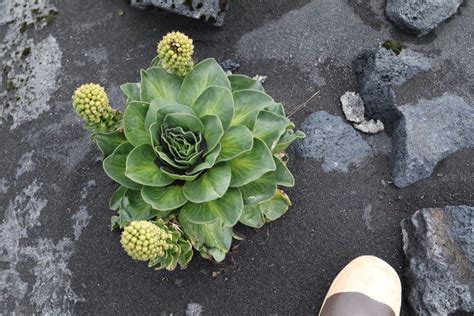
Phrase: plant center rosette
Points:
(199, 154)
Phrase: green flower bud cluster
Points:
(91, 103)
(176, 53)
(145, 241)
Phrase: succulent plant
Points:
(156, 243)
(197, 154)
(92, 104)
(175, 52)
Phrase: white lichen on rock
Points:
(353, 108)
(29, 70)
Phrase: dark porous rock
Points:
(212, 11)
(439, 247)
(427, 133)
(229, 65)
(377, 71)
(420, 16)
(333, 141)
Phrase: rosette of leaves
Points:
(202, 151)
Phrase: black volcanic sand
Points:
(287, 266)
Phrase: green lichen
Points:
(393, 45)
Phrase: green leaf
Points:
(134, 123)
(141, 167)
(241, 82)
(252, 164)
(114, 166)
(217, 101)
(131, 91)
(210, 185)
(208, 162)
(269, 127)
(213, 131)
(237, 140)
(227, 209)
(156, 83)
(247, 104)
(186, 253)
(116, 199)
(185, 177)
(108, 142)
(209, 239)
(155, 62)
(187, 121)
(257, 215)
(134, 208)
(205, 74)
(164, 199)
(160, 108)
(276, 108)
(286, 139)
(264, 188)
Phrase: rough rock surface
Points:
(377, 71)
(421, 16)
(427, 133)
(439, 247)
(330, 139)
(353, 108)
(212, 11)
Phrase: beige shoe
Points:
(367, 286)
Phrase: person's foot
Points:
(366, 286)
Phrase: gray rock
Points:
(421, 16)
(377, 71)
(330, 139)
(370, 126)
(229, 65)
(353, 108)
(427, 133)
(439, 246)
(212, 11)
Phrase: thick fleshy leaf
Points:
(114, 166)
(155, 62)
(211, 185)
(108, 142)
(241, 82)
(227, 209)
(213, 131)
(286, 139)
(172, 174)
(269, 127)
(131, 91)
(160, 108)
(187, 121)
(216, 101)
(276, 108)
(252, 164)
(164, 199)
(208, 162)
(157, 83)
(141, 167)
(257, 215)
(211, 240)
(134, 123)
(247, 104)
(205, 74)
(116, 199)
(237, 140)
(134, 208)
(264, 187)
